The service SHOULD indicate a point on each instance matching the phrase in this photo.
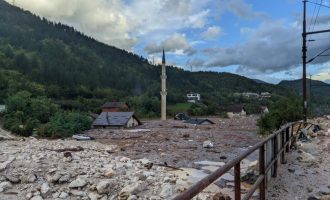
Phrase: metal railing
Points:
(270, 149)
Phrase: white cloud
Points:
(177, 43)
(243, 10)
(272, 47)
(195, 62)
(123, 23)
(212, 32)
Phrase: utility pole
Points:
(304, 57)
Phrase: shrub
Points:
(24, 113)
(285, 110)
(65, 124)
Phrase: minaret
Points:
(163, 92)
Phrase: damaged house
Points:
(236, 111)
(116, 120)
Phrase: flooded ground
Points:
(181, 145)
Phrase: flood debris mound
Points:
(156, 161)
(307, 174)
(66, 169)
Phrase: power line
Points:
(311, 23)
(320, 54)
(322, 38)
(317, 15)
(318, 4)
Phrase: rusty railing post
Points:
(283, 160)
(237, 175)
(262, 171)
(292, 137)
(287, 136)
(275, 150)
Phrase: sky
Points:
(259, 39)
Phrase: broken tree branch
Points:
(78, 148)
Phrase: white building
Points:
(2, 108)
(250, 95)
(265, 95)
(193, 97)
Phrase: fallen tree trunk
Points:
(78, 148)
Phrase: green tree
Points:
(65, 124)
(24, 113)
(287, 109)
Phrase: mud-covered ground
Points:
(179, 144)
(306, 176)
(124, 164)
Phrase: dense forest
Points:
(318, 94)
(64, 69)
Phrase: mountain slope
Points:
(319, 88)
(73, 67)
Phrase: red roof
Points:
(115, 105)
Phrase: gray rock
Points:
(137, 188)
(78, 193)
(65, 178)
(324, 190)
(167, 191)
(29, 195)
(105, 197)
(79, 182)
(31, 178)
(93, 196)
(55, 195)
(54, 178)
(208, 144)
(103, 186)
(306, 157)
(12, 178)
(133, 197)
(132, 189)
(36, 198)
(45, 189)
(63, 195)
(5, 164)
(5, 185)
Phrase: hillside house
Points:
(236, 111)
(116, 120)
(115, 107)
(193, 97)
(250, 95)
(265, 95)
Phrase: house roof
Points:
(198, 121)
(114, 119)
(114, 105)
(235, 108)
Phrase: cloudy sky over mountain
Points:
(258, 39)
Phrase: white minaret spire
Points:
(163, 92)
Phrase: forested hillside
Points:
(78, 73)
(319, 94)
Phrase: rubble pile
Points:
(65, 169)
(307, 174)
(40, 169)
